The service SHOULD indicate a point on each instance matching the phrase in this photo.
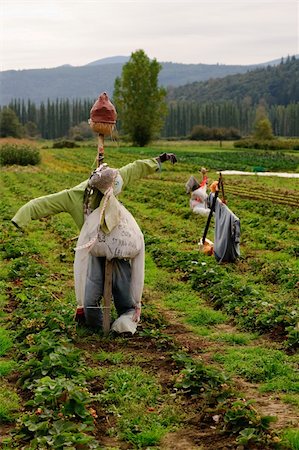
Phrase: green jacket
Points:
(71, 200)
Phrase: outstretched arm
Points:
(143, 167)
(63, 201)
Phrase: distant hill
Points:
(110, 60)
(277, 84)
(88, 81)
(95, 77)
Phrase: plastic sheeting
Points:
(261, 174)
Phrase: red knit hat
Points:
(103, 110)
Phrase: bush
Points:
(269, 144)
(21, 154)
(204, 133)
(65, 143)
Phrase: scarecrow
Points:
(109, 233)
(198, 194)
(226, 246)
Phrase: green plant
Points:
(206, 316)
(196, 378)
(290, 438)
(6, 366)
(21, 154)
(271, 367)
(293, 337)
(136, 400)
(65, 143)
(9, 404)
(5, 341)
(113, 358)
(61, 361)
(57, 434)
(242, 419)
(161, 339)
(68, 397)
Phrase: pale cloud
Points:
(48, 33)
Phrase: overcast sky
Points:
(49, 33)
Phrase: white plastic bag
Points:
(125, 323)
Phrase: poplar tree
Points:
(139, 101)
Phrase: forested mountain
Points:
(228, 102)
(88, 81)
(277, 85)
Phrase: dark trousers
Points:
(94, 288)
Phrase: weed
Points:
(6, 367)
(292, 399)
(113, 358)
(234, 338)
(9, 404)
(5, 341)
(206, 316)
(291, 439)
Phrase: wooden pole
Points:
(107, 296)
(100, 156)
(108, 264)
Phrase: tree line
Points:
(52, 119)
(183, 116)
(147, 111)
(55, 119)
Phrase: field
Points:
(214, 364)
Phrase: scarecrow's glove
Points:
(79, 316)
(167, 157)
(137, 313)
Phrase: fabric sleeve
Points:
(68, 200)
(138, 169)
(42, 207)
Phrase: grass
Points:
(6, 367)
(234, 338)
(275, 370)
(112, 357)
(9, 404)
(5, 341)
(291, 438)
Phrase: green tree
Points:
(262, 127)
(139, 101)
(9, 124)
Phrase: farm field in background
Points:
(213, 338)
